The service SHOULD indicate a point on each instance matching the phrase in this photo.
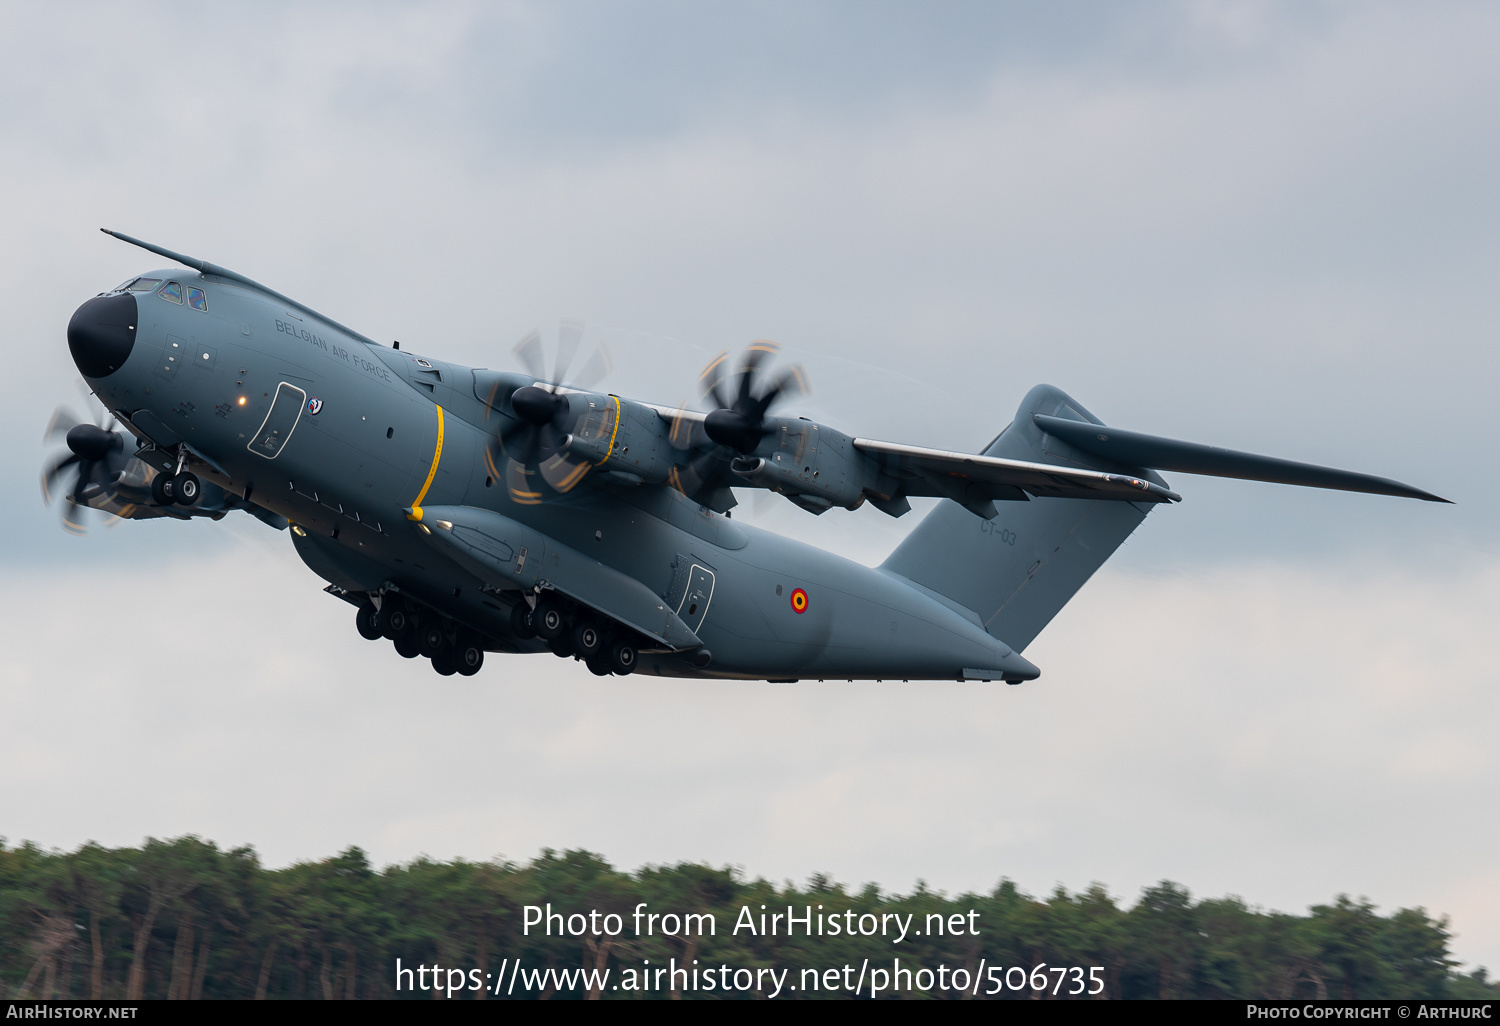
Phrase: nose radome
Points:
(102, 333)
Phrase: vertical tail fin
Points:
(1017, 571)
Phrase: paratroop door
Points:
(286, 410)
(700, 592)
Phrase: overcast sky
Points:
(1270, 226)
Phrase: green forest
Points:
(183, 919)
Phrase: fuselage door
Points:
(699, 593)
(286, 410)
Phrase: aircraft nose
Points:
(102, 333)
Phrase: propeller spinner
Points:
(534, 449)
(736, 425)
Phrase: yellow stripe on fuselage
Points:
(437, 455)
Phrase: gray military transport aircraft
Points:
(465, 511)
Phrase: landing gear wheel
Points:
(407, 646)
(520, 621)
(444, 664)
(161, 490)
(586, 637)
(186, 489)
(364, 622)
(469, 657)
(548, 621)
(560, 647)
(432, 640)
(394, 622)
(622, 657)
(598, 667)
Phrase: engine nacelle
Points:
(814, 466)
(627, 441)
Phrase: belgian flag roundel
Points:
(799, 601)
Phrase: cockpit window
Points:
(124, 285)
(197, 299)
(143, 284)
(172, 292)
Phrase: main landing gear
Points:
(414, 630)
(605, 648)
(450, 647)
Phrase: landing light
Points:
(242, 400)
(298, 531)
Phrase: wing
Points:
(967, 477)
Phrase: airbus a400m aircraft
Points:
(465, 511)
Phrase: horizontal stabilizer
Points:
(1133, 449)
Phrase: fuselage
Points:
(345, 438)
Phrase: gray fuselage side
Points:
(346, 474)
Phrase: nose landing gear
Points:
(181, 489)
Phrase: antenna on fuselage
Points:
(204, 267)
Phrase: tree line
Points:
(182, 919)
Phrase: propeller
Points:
(534, 448)
(98, 455)
(736, 425)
